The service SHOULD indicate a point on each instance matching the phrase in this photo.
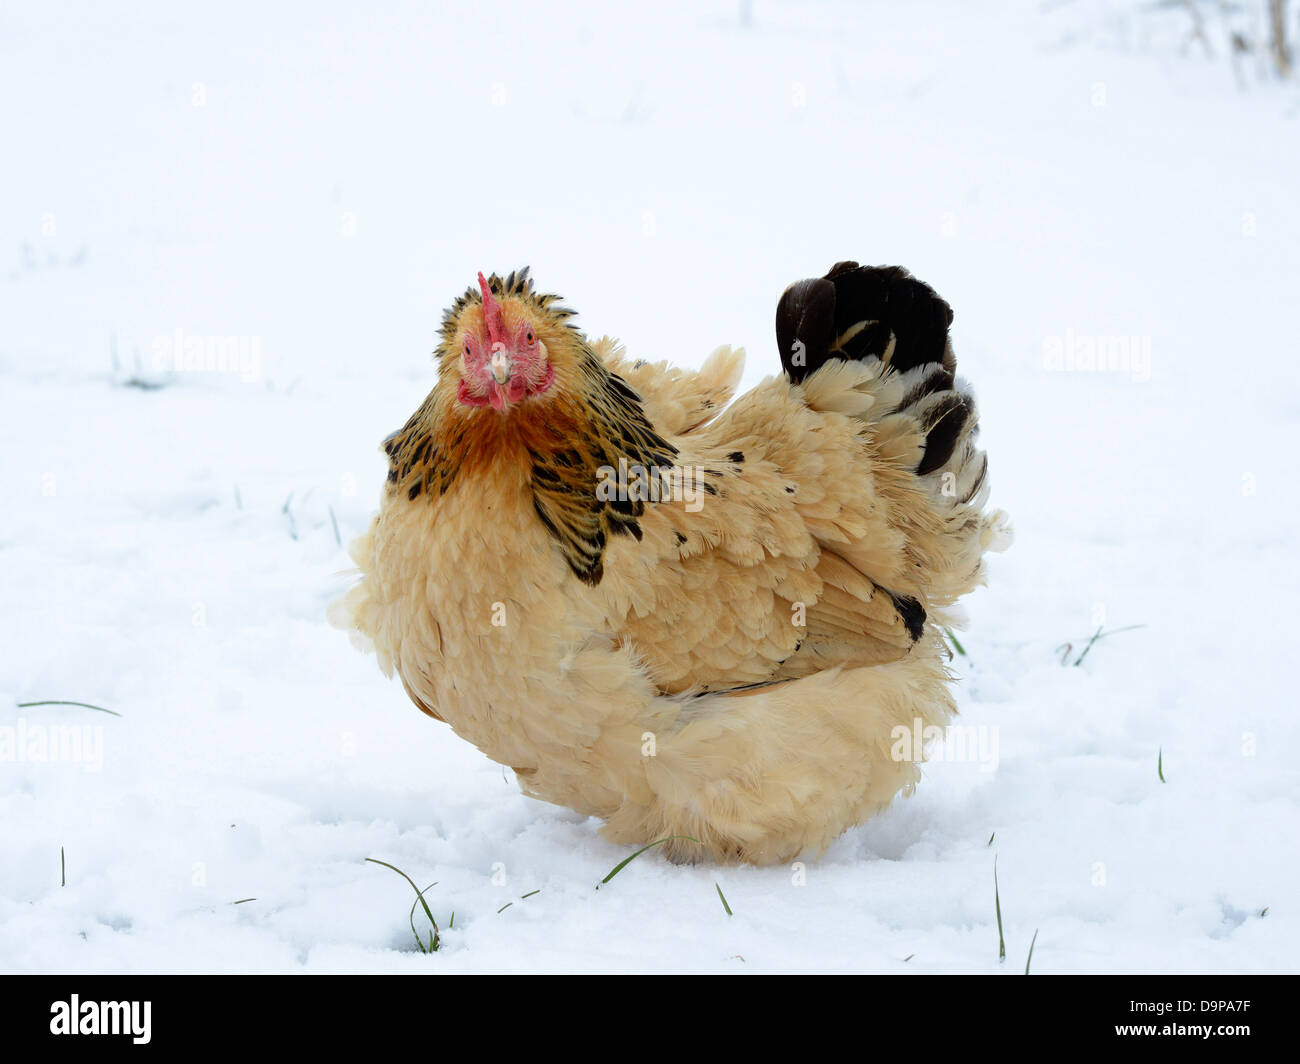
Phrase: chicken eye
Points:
(529, 336)
(467, 349)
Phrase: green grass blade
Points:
(628, 860)
(524, 897)
(956, 643)
(997, 904)
(724, 900)
(1031, 950)
(1099, 634)
(1095, 636)
(410, 917)
(1160, 765)
(419, 896)
(63, 868)
(57, 702)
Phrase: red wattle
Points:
(467, 397)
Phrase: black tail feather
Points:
(944, 422)
(855, 312)
(859, 312)
(805, 326)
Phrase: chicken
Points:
(691, 619)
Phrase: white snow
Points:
(315, 185)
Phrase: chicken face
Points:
(503, 358)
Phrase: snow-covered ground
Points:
(312, 186)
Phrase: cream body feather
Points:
(739, 673)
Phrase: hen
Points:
(685, 617)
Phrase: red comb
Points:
(492, 313)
